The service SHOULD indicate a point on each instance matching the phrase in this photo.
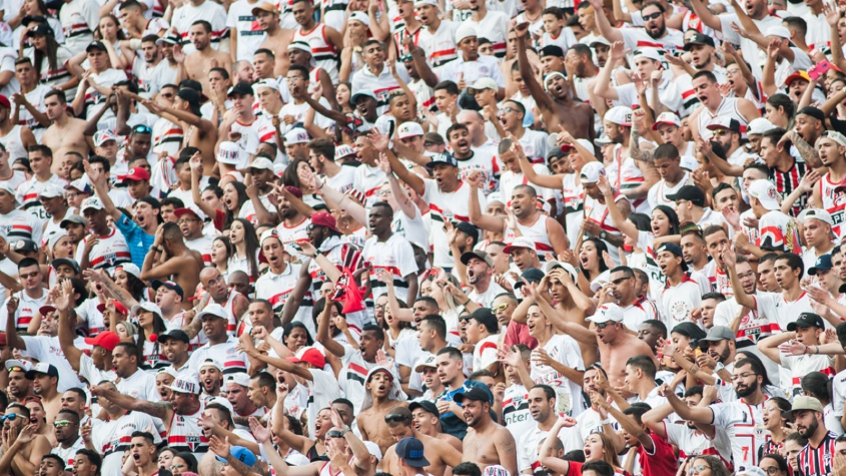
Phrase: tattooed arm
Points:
(806, 150)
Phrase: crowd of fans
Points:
(422, 238)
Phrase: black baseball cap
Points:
(699, 39)
(150, 200)
(475, 393)
(177, 334)
(157, 283)
(690, 193)
(95, 45)
(42, 29)
(806, 319)
(532, 275)
(468, 255)
(552, 50)
(426, 405)
(33, 18)
(241, 89)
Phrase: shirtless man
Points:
(29, 447)
(427, 421)
(185, 112)
(196, 66)
(66, 133)
(383, 395)
(557, 106)
(487, 443)
(215, 284)
(267, 16)
(170, 260)
(440, 454)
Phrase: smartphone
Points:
(820, 69)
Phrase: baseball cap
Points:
(620, 115)
(591, 172)
(608, 312)
(324, 219)
(551, 50)
(309, 355)
(411, 449)
(52, 190)
(241, 88)
(25, 245)
(649, 52)
(583, 142)
(835, 136)
(441, 158)
(532, 275)
(265, 6)
(474, 393)
(803, 402)
(670, 247)
(266, 82)
(54, 236)
(42, 368)
(550, 265)
(77, 219)
(80, 185)
(823, 263)
(42, 29)
(95, 45)
(599, 40)
(765, 192)
(136, 174)
(119, 308)
(426, 361)
(482, 83)
(91, 203)
(171, 38)
(297, 135)
(724, 122)
(520, 242)
(238, 378)
(690, 193)
(485, 316)
(699, 39)
(214, 310)
(666, 119)
(106, 339)
(211, 363)
(795, 76)
(363, 93)
(806, 319)
(759, 125)
(241, 454)
(186, 384)
(816, 214)
(718, 333)
(189, 210)
(426, 405)
(131, 268)
(299, 45)
(192, 97)
(261, 163)
(102, 136)
(409, 129)
(229, 153)
(222, 401)
(344, 150)
(66, 261)
(23, 365)
(156, 283)
(360, 17)
(778, 30)
(146, 306)
(467, 256)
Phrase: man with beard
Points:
(487, 443)
(196, 66)
(277, 38)
(45, 381)
(621, 288)
(211, 377)
(19, 387)
(805, 330)
(654, 30)
(581, 71)
(817, 458)
(647, 69)
(170, 259)
(557, 106)
(175, 346)
(701, 50)
(688, 436)
(215, 322)
(66, 428)
(233, 303)
(732, 417)
(479, 271)
(694, 254)
(187, 435)
(30, 448)
(294, 224)
(717, 110)
(112, 434)
(542, 408)
(831, 148)
(403, 423)
(595, 418)
(144, 67)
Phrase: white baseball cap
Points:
(816, 214)
(620, 115)
(759, 126)
(591, 172)
(667, 119)
(409, 129)
(297, 135)
(649, 52)
(360, 17)
(765, 192)
(608, 312)
(465, 31)
(229, 153)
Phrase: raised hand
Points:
(521, 29)
(220, 447)
(619, 51)
(261, 433)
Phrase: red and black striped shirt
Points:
(818, 461)
(788, 181)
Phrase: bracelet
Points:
(156, 249)
(466, 302)
(605, 422)
(816, 350)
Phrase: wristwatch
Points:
(345, 431)
(603, 235)
(719, 367)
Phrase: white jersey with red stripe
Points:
(324, 52)
(179, 321)
(368, 180)
(659, 192)
(229, 306)
(482, 160)
(515, 410)
(232, 360)
(691, 21)
(754, 326)
(19, 224)
(248, 210)
(25, 118)
(641, 310)
(693, 442)
(677, 302)
(597, 213)
(340, 253)
(800, 365)
(446, 206)
(110, 251)
(744, 425)
(79, 19)
(395, 256)
(293, 233)
(29, 191)
(277, 288)
(212, 12)
(53, 78)
(167, 137)
(573, 195)
(780, 312)
(67, 454)
(727, 108)
(93, 318)
(27, 308)
(818, 33)
(112, 438)
(624, 174)
(439, 46)
(94, 100)
(202, 245)
(537, 232)
(185, 433)
(778, 231)
(833, 202)
(495, 25)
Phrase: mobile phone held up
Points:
(820, 69)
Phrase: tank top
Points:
(535, 232)
(574, 204)
(833, 202)
(727, 107)
(324, 53)
(624, 174)
(13, 143)
(186, 434)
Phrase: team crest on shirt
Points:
(680, 309)
(110, 258)
(193, 442)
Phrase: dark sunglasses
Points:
(395, 418)
(335, 434)
(142, 129)
(10, 417)
(653, 16)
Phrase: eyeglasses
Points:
(61, 423)
(772, 470)
(10, 417)
(620, 280)
(395, 418)
(142, 129)
(653, 16)
(698, 468)
(508, 109)
(744, 375)
(176, 466)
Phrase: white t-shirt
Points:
(242, 23)
(565, 350)
(47, 349)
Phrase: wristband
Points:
(466, 302)
(605, 422)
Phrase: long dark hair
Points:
(51, 53)
(120, 35)
(241, 190)
(135, 286)
(251, 242)
(672, 216)
(290, 177)
(159, 328)
(600, 248)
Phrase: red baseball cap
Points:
(137, 174)
(120, 308)
(324, 219)
(4, 101)
(309, 355)
(106, 339)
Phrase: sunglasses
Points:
(620, 280)
(16, 369)
(395, 418)
(142, 129)
(603, 325)
(500, 307)
(653, 16)
(335, 434)
(10, 417)
(61, 423)
(29, 275)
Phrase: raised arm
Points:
(161, 411)
(603, 84)
(67, 323)
(98, 181)
(323, 332)
(537, 91)
(476, 214)
(769, 345)
(626, 227)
